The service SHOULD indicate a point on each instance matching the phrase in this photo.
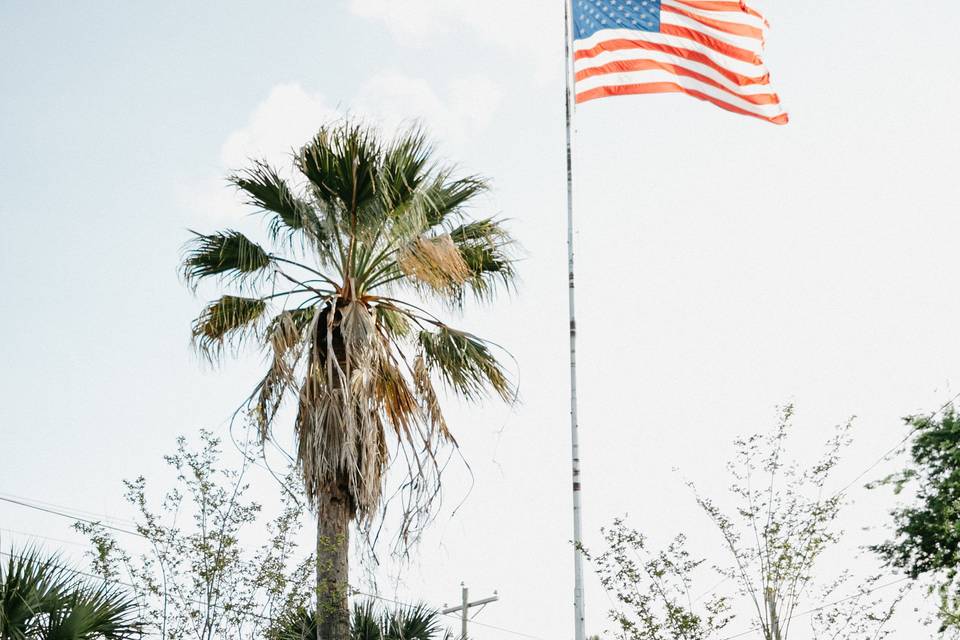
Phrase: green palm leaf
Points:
(464, 363)
(269, 192)
(231, 318)
(229, 254)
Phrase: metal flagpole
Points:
(579, 621)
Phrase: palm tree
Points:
(371, 235)
(40, 599)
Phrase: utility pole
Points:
(465, 606)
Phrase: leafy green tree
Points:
(926, 540)
(193, 577)
(369, 235)
(41, 599)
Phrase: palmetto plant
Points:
(40, 599)
(416, 622)
(369, 235)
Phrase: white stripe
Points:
(642, 77)
(659, 56)
(737, 66)
(743, 42)
(739, 17)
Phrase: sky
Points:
(725, 266)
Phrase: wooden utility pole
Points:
(465, 606)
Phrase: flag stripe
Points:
(708, 49)
(654, 76)
(724, 16)
(718, 45)
(721, 5)
(625, 66)
(669, 87)
(658, 56)
(744, 43)
(737, 66)
(735, 28)
(623, 44)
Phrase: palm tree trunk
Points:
(333, 545)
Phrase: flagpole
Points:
(579, 619)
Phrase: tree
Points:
(42, 599)
(376, 232)
(926, 539)
(773, 540)
(194, 579)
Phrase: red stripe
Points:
(722, 5)
(620, 44)
(625, 66)
(734, 28)
(670, 87)
(710, 42)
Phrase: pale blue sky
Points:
(725, 265)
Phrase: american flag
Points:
(706, 49)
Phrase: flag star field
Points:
(591, 16)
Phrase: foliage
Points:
(41, 599)
(369, 233)
(652, 589)
(416, 622)
(195, 580)
(926, 541)
(774, 539)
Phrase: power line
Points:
(42, 537)
(70, 516)
(892, 450)
(450, 615)
(255, 615)
(131, 586)
(82, 512)
(822, 607)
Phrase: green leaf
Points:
(269, 192)
(228, 254)
(341, 163)
(486, 247)
(464, 363)
(228, 319)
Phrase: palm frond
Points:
(286, 335)
(269, 192)
(397, 401)
(341, 163)
(447, 196)
(405, 167)
(395, 323)
(227, 254)
(41, 598)
(417, 622)
(464, 363)
(435, 263)
(31, 586)
(296, 624)
(226, 321)
(486, 248)
(429, 399)
(101, 611)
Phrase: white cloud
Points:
(531, 29)
(458, 115)
(283, 121)
(290, 115)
